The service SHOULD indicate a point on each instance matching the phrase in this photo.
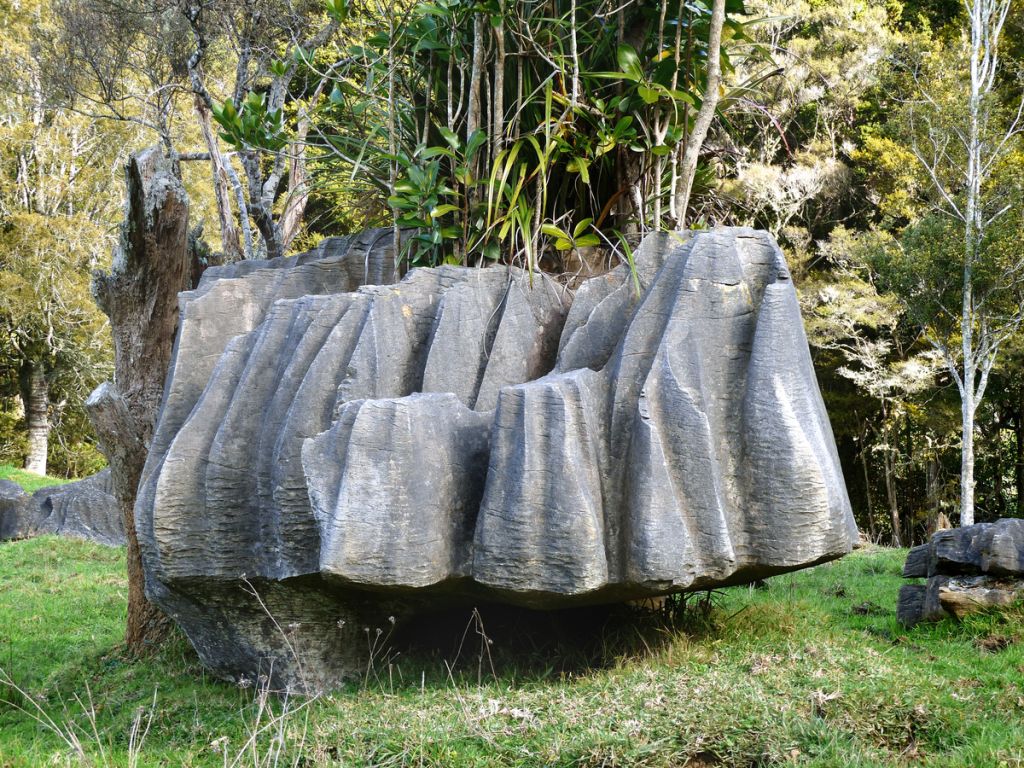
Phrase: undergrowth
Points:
(807, 669)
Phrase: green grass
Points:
(812, 670)
(30, 481)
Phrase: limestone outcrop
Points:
(85, 509)
(339, 448)
(966, 570)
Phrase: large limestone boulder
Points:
(338, 450)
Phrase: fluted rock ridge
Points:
(347, 447)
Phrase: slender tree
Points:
(961, 134)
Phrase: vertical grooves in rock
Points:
(382, 523)
(541, 523)
(461, 426)
(188, 544)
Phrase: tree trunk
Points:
(140, 296)
(36, 399)
(258, 207)
(869, 500)
(221, 185)
(932, 488)
(967, 455)
(890, 492)
(706, 113)
(998, 504)
(1018, 432)
(298, 184)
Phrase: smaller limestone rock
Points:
(13, 508)
(1003, 548)
(917, 562)
(85, 509)
(968, 569)
(910, 604)
(10, 490)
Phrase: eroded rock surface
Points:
(966, 570)
(337, 449)
(85, 509)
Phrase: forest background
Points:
(552, 135)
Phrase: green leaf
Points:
(682, 96)
(430, 152)
(450, 136)
(581, 166)
(476, 140)
(649, 95)
(606, 145)
(581, 227)
(587, 241)
(629, 62)
(552, 231)
(441, 210)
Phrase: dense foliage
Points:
(551, 135)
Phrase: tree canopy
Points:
(553, 135)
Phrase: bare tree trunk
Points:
(1018, 432)
(967, 454)
(706, 113)
(140, 296)
(259, 208)
(473, 115)
(872, 532)
(498, 107)
(932, 492)
(998, 502)
(221, 185)
(36, 399)
(987, 19)
(890, 492)
(298, 184)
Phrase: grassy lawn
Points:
(30, 481)
(811, 670)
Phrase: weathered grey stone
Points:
(478, 434)
(10, 489)
(996, 548)
(1003, 549)
(384, 520)
(916, 565)
(932, 609)
(85, 509)
(956, 550)
(14, 509)
(972, 568)
(910, 604)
